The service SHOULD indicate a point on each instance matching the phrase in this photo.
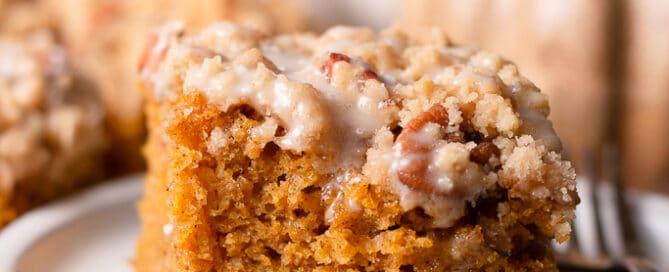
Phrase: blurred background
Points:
(603, 64)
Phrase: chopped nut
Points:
(483, 152)
(412, 174)
(436, 114)
(369, 74)
(333, 57)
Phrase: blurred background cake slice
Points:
(52, 136)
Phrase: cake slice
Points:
(52, 136)
(349, 151)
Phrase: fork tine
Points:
(625, 234)
(596, 247)
(592, 172)
(630, 247)
(585, 249)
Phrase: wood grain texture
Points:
(646, 88)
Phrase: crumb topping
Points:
(441, 125)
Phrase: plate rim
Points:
(21, 234)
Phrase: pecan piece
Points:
(483, 152)
(436, 114)
(369, 74)
(333, 58)
(415, 151)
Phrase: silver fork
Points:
(603, 236)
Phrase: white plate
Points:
(91, 231)
(96, 230)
